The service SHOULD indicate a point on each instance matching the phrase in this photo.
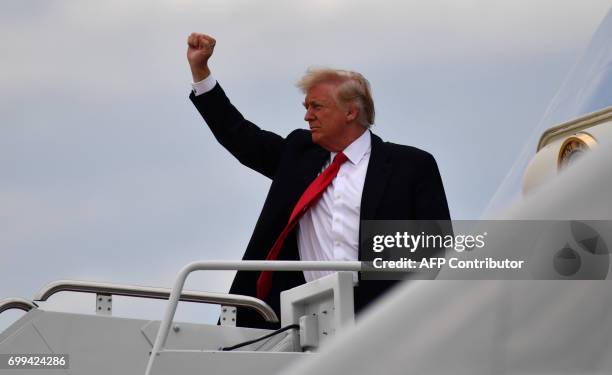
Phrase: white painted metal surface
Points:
(156, 293)
(253, 265)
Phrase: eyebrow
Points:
(311, 102)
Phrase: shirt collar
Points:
(358, 149)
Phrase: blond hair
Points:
(351, 87)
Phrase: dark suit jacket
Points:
(402, 183)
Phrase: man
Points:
(324, 181)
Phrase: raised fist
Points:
(200, 48)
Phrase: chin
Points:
(319, 140)
(316, 138)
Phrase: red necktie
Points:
(310, 196)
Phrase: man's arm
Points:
(430, 203)
(258, 149)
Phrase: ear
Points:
(352, 111)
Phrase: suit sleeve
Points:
(430, 201)
(257, 149)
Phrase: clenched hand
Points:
(200, 48)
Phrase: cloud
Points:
(139, 46)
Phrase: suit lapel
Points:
(310, 166)
(377, 175)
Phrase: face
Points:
(328, 122)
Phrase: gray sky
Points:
(109, 174)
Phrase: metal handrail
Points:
(249, 265)
(157, 293)
(16, 303)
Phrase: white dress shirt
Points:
(330, 229)
(204, 85)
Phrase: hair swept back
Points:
(352, 87)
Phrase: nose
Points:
(308, 116)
